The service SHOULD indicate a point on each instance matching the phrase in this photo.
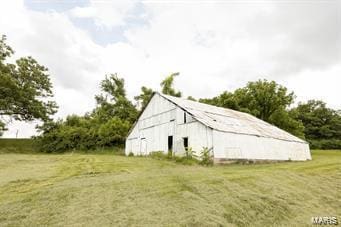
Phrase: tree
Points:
(226, 100)
(113, 100)
(113, 87)
(25, 88)
(264, 99)
(286, 121)
(106, 126)
(113, 132)
(322, 125)
(144, 97)
(167, 85)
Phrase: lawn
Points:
(105, 190)
(17, 146)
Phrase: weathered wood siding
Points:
(160, 119)
(163, 118)
(239, 146)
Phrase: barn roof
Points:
(231, 121)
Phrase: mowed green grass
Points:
(111, 190)
(17, 146)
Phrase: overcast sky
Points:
(215, 46)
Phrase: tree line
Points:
(26, 95)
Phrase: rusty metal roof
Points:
(231, 121)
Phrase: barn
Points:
(171, 123)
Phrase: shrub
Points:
(82, 133)
(188, 159)
(325, 144)
(112, 132)
(189, 153)
(206, 158)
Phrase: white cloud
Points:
(222, 46)
(106, 14)
(317, 84)
(68, 52)
(215, 47)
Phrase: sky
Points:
(215, 45)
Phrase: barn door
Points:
(170, 143)
(143, 146)
(171, 127)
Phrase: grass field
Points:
(17, 146)
(105, 190)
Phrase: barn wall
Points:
(159, 112)
(161, 119)
(199, 136)
(238, 146)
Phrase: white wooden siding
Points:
(237, 146)
(231, 134)
(161, 119)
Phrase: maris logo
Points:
(324, 220)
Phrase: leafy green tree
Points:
(113, 132)
(226, 100)
(106, 126)
(322, 125)
(113, 88)
(144, 97)
(167, 85)
(286, 121)
(25, 88)
(113, 100)
(264, 99)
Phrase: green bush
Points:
(82, 133)
(112, 132)
(206, 157)
(325, 144)
(189, 153)
(104, 127)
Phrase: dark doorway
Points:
(170, 143)
(186, 143)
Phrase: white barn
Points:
(171, 123)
